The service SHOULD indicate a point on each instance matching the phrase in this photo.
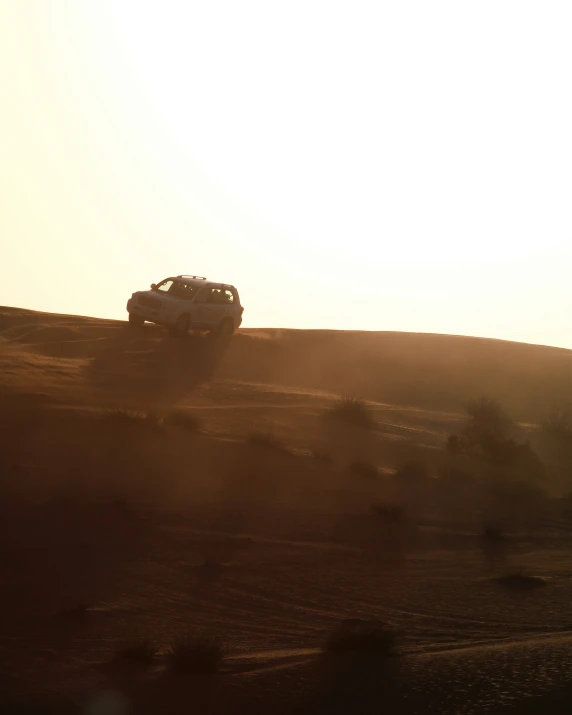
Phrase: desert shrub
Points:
(485, 433)
(485, 438)
(133, 418)
(364, 469)
(411, 485)
(494, 545)
(390, 511)
(122, 504)
(556, 444)
(354, 411)
(455, 477)
(509, 453)
(520, 582)
(488, 414)
(358, 635)
(142, 651)
(558, 423)
(413, 471)
(516, 492)
(454, 492)
(500, 452)
(266, 440)
(518, 503)
(196, 654)
(77, 612)
(455, 444)
(183, 419)
(322, 455)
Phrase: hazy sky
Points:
(358, 165)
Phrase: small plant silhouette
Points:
(184, 420)
(196, 654)
(558, 423)
(354, 411)
(363, 469)
(360, 635)
(133, 418)
(267, 440)
(143, 651)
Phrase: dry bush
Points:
(413, 471)
(555, 442)
(123, 416)
(196, 654)
(455, 493)
(183, 419)
(390, 511)
(486, 438)
(558, 422)
(517, 503)
(353, 411)
(143, 651)
(494, 545)
(488, 414)
(364, 469)
(411, 485)
(267, 440)
(520, 582)
(362, 636)
(322, 455)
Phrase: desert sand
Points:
(253, 523)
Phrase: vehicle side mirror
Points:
(153, 286)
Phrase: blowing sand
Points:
(250, 522)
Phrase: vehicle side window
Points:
(204, 295)
(190, 292)
(165, 287)
(187, 291)
(177, 290)
(180, 290)
(218, 296)
(221, 296)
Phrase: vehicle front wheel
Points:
(135, 320)
(181, 327)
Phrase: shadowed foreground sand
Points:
(114, 529)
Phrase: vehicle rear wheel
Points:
(135, 320)
(181, 327)
(226, 328)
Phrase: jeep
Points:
(183, 303)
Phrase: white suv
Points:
(185, 302)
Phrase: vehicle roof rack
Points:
(199, 278)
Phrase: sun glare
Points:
(424, 148)
(436, 135)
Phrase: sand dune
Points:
(434, 371)
(160, 531)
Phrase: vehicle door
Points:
(217, 306)
(203, 306)
(184, 296)
(221, 304)
(229, 305)
(173, 301)
(155, 301)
